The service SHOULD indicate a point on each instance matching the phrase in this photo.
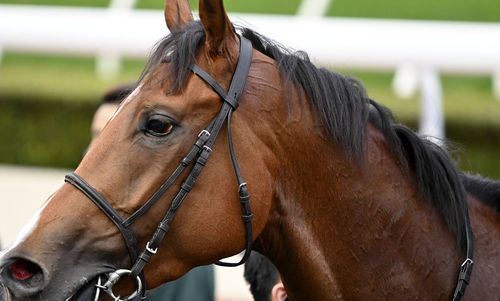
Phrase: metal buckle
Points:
(242, 185)
(98, 290)
(204, 132)
(151, 250)
(207, 148)
(468, 260)
(112, 280)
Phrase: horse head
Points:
(71, 242)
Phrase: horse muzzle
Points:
(21, 277)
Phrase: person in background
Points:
(110, 102)
(197, 284)
(264, 279)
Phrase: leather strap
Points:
(105, 207)
(200, 151)
(202, 138)
(247, 215)
(466, 267)
(113, 215)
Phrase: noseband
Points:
(199, 153)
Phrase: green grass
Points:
(98, 3)
(44, 133)
(482, 159)
(463, 10)
(58, 78)
(261, 7)
(266, 7)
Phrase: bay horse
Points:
(347, 203)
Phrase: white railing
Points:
(417, 50)
(109, 65)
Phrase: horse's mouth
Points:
(86, 292)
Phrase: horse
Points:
(345, 202)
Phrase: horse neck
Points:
(337, 228)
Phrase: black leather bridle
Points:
(199, 153)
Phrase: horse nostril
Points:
(23, 269)
(23, 277)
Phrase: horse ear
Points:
(217, 26)
(177, 14)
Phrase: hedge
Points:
(56, 133)
(44, 133)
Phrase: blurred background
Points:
(47, 99)
(48, 96)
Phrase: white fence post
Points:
(108, 64)
(495, 78)
(122, 4)
(313, 7)
(432, 115)
(405, 81)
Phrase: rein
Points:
(200, 152)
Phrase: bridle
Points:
(199, 154)
(201, 151)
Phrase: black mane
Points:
(344, 109)
(484, 189)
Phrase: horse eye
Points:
(158, 125)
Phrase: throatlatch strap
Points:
(466, 267)
(246, 211)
